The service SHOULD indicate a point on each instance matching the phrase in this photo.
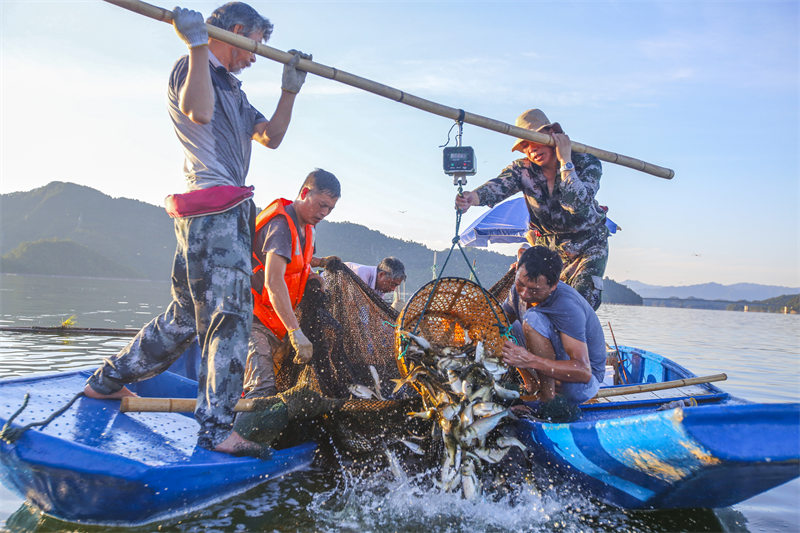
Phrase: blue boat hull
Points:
(632, 455)
(94, 464)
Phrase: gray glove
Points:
(302, 346)
(190, 27)
(292, 78)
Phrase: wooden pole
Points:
(397, 95)
(646, 387)
(132, 404)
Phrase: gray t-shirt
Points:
(275, 236)
(217, 153)
(570, 313)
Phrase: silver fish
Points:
(482, 409)
(484, 394)
(479, 352)
(413, 446)
(505, 441)
(361, 391)
(481, 427)
(422, 342)
(491, 455)
(466, 417)
(415, 372)
(469, 481)
(506, 394)
(377, 381)
(449, 411)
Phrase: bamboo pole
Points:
(397, 95)
(646, 387)
(71, 330)
(131, 404)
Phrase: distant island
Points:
(66, 229)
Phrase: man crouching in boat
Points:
(283, 255)
(563, 338)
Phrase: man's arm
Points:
(196, 97)
(275, 286)
(271, 133)
(576, 369)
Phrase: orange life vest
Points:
(297, 270)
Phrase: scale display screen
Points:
(459, 160)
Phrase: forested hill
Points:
(68, 229)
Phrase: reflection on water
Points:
(757, 351)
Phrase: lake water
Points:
(759, 353)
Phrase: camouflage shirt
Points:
(571, 208)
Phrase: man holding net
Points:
(283, 255)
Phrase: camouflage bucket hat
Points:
(534, 120)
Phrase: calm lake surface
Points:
(759, 352)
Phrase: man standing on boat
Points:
(283, 255)
(563, 338)
(211, 298)
(560, 189)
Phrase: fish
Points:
(478, 430)
(482, 409)
(469, 481)
(361, 391)
(425, 415)
(377, 381)
(422, 342)
(412, 376)
(506, 441)
(466, 417)
(413, 446)
(449, 411)
(506, 394)
(479, 352)
(491, 455)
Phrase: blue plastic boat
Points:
(627, 452)
(93, 464)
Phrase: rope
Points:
(11, 435)
(486, 295)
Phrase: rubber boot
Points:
(265, 424)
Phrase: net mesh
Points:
(352, 328)
(452, 312)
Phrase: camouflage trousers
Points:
(584, 263)
(211, 300)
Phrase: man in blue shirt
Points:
(564, 342)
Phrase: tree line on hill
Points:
(72, 230)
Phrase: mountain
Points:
(68, 229)
(618, 293)
(712, 291)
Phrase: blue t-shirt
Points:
(217, 153)
(571, 314)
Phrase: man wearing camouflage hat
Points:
(560, 189)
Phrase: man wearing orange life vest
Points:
(283, 255)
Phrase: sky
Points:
(707, 88)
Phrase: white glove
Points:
(190, 26)
(292, 78)
(302, 346)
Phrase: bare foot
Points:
(122, 393)
(235, 444)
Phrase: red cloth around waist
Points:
(209, 201)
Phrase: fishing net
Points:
(352, 328)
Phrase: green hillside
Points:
(618, 293)
(58, 258)
(72, 230)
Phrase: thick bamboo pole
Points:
(130, 404)
(397, 95)
(646, 387)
